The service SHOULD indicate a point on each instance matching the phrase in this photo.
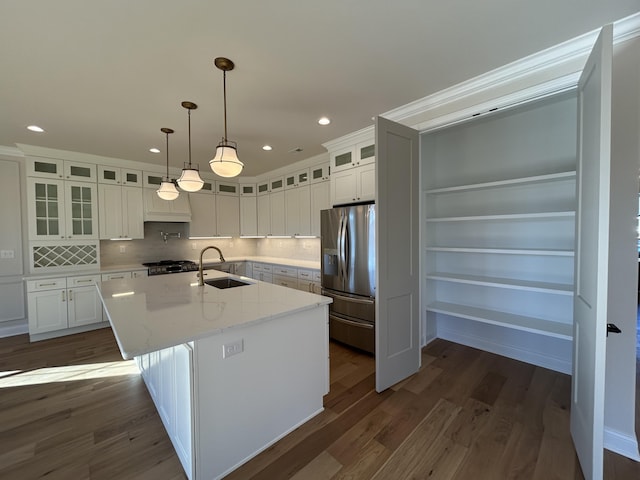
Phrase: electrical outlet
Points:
(194, 246)
(7, 254)
(123, 248)
(230, 349)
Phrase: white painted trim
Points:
(362, 135)
(568, 55)
(621, 443)
(10, 152)
(13, 330)
(541, 359)
(537, 92)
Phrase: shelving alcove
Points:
(499, 203)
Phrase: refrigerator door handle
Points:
(341, 247)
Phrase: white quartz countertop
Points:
(152, 313)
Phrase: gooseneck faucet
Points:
(200, 274)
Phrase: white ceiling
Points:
(103, 77)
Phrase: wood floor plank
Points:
(323, 467)
(346, 448)
(407, 461)
(370, 458)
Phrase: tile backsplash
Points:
(153, 247)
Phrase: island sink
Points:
(226, 282)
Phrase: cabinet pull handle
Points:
(71, 295)
(64, 297)
(47, 284)
(84, 281)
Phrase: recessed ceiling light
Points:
(154, 150)
(324, 121)
(268, 148)
(35, 128)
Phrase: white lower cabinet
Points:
(309, 281)
(263, 272)
(168, 375)
(56, 304)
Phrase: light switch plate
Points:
(234, 348)
(7, 254)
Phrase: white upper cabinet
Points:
(319, 173)
(247, 189)
(62, 210)
(60, 169)
(354, 185)
(319, 194)
(203, 212)
(297, 211)
(228, 215)
(248, 216)
(119, 176)
(120, 212)
(227, 188)
(362, 153)
(296, 179)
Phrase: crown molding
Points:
(362, 135)
(569, 55)
(11, 152)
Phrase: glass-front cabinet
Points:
(62, 210)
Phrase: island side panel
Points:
(247, 401)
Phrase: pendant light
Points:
(167, 190)
(190, 180)
(226, 162)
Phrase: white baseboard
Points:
(554, 354)
(621, 443)
(12, 330)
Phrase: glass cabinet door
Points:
(81, 219)
(47, 201)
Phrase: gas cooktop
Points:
(170, 266)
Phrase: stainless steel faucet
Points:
(200, 275)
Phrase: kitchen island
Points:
(231, 370)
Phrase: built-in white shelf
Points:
(517, 322)
(509, 216)
(553, 177)
(504, 251)
(530, 286)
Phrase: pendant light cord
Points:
(189, 111)
(224, 95)
(167, 137)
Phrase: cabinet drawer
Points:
(305, 274)
(83, 281)
(262, 267)
(46, 284)
(285, 281)
(116, 276)
(286, 271)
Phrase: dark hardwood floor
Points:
(71, 408)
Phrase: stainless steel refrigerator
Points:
(348, 249)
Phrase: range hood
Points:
(158, 210)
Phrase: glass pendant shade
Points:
(167, 190)
(190, 180)
(226, 162)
